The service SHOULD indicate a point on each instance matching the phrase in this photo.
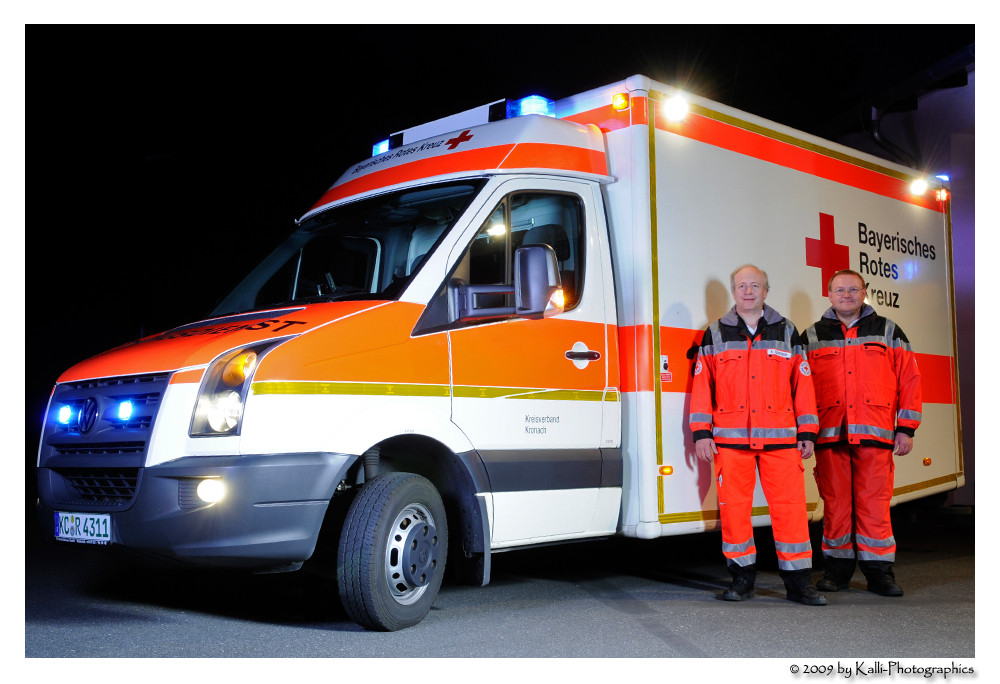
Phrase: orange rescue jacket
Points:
(753, 391)
(867, 380)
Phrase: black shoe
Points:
(806, 595)
(833, 584)
(881, 579)
(884, 586)
(741, 590)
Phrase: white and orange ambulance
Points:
(480, 339)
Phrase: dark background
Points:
(163, 161)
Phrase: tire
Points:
(392, 551)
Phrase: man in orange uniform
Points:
(869, 398)
(752, 408)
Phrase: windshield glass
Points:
(364, 250)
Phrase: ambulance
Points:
(481, 339)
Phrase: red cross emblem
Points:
(455, 142)
(825, 253)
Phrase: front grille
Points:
(99, 449)
(100, 486)
(128, 383)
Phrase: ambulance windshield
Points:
(368, 249)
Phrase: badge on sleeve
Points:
(697, 367)
(804, 368)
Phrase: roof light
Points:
(533, 104)
(620, 102)
(379, 148)
(918, 187)
(944, 177)
(941, 195)
(675, 108)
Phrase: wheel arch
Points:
(459, 479)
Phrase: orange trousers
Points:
(783, 481)
(856, 485)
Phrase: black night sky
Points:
(163, 161)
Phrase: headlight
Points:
(219, 408)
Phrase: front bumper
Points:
(271, 515)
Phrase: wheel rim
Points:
(411, 557)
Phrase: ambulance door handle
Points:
(581, 356)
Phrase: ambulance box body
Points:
(482, 339)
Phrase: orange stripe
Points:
(937, 380)
(736, 139)
(522, 155)
(375, 347)
(187, 376)
(526, 353)
(544, 155)
(636, 363)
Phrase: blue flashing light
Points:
(65, 414)
(125, 410)
(533, 104)
(944, 177)
(379, 148)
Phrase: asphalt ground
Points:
(611, 599)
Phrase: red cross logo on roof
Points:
(455, 142)
(825, 253)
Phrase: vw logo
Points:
(88, 415)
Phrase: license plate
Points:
(83, 528)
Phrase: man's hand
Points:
(806, 449)
(904, 444)
(704, 448)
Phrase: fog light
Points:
(211, 491)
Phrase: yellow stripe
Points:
(657, 386)
(703, 516)
(917, 486)
(410, 390)
(354, 388)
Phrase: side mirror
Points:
(537, 290)
(537, 285)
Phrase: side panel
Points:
(728, 191)
(735, 196)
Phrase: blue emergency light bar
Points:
(495, 111)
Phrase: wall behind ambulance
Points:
(942, 133)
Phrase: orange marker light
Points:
(620, 102)
(942, 195)
(927, 461)
(666, 470)
(237, 370)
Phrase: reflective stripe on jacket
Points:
(753, 392)
(867, 380)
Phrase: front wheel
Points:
(392, 551)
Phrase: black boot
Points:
(799, 588)
(743, 580)
(881, 579)
(837, 573)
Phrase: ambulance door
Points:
(532, 395)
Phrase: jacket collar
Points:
(831, 314)
(768, 315)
